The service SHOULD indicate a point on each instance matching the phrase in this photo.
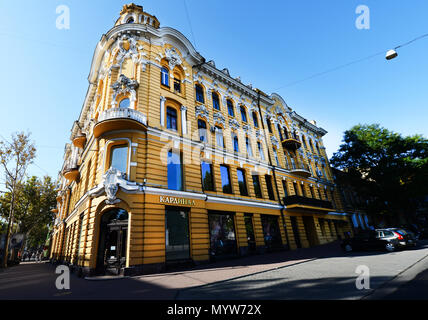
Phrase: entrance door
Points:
(222, 235)
(176, 235)
(310, 230)
(113, 242)
(248, 218)
(295, 228)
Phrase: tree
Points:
(386, 168)
(15, 157)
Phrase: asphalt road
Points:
(330, 278)
(325, 277)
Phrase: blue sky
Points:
(270, 44)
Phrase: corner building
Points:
(173, 160)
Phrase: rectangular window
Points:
(248, 145)
(271, 231)
(171, 118)
(257, 188)
(296, 189)
(225, 179)
(260, 147)
(230, 108)
(176, 235)
(269, 187)
(216, 101)
(222, 234)
(219, 137)
(207, 176)
(119, 158)
(275, 154)
(284, 185)
(241, 182)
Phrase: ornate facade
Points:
(175, 161)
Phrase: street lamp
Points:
(391, 54)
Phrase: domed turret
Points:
(132, 13)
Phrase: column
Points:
(184, 119)
(162, 111)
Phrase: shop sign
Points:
(177, 201)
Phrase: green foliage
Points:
(35, 199)
(388, 169)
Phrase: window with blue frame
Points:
(230, 109)
(175, 171)
(165, 76)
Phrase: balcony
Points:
(119, 119)
(71, 173)
(79, 141)
(291, 142)
(300, 170)
(307, 203)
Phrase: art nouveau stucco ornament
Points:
(219, 118)
(113, 179)
(172, 57)
(123, 86)
(127, 45)
(201, 111)
(234, 124)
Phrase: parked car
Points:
(371, 240)
(405, 238)
(417, 231)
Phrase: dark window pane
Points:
(230, 108)
(171, 118)
(269, 187)
(284, 185)
(199, 93)
(235, 143)
(271, 231)
(207, 176)
(243, 114)
(225, 179)
(176, 235)
(256, 184)
(241, 182)
(222, 234)
(177, 85)
(216, 101)
(256, 122)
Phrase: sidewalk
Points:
(174, 281)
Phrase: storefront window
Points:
(222, 235)
(177, 235)
(271, 231)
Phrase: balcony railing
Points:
(299, 169)
(299, 200)
(119, 118)
(291, 141)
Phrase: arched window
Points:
(177, 83)
(130, 20)
(235, 142)
(124, 103)
(216, 100)
(165, 76)
(280, 132)
(269, 125)
(175, 171)
(119, 157)
(202, 128)
(199, 93)
(171, 118)
(255, 120)
(230, 109)
(243, 114)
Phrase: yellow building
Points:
(174, 161)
